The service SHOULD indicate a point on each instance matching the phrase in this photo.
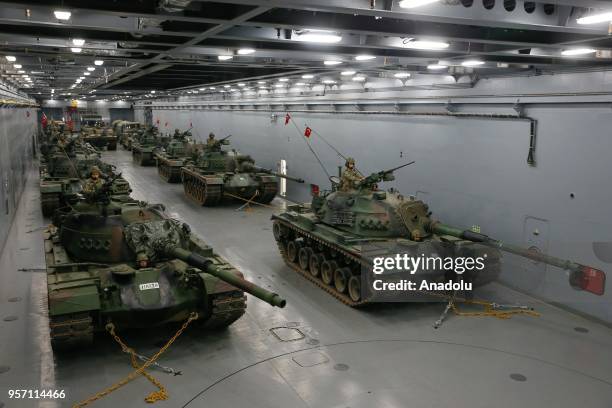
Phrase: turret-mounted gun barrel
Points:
(249, 167)
(385, 175)
(582, 277)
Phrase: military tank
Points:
(126, 132)
(220, 175)
(326, 241)
(132, 265)
(63, 172)
(175, 155)
(145, 146)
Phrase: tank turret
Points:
(325, 240)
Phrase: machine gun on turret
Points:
(216, 145)
(249, 167)
(374, 178)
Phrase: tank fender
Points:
(66, 300)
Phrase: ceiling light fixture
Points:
(332, 62)
(364, 57)
(17, 66)
(10, 58)
(472, 63)
(98, 62)
(402, 75)
(425, 45)
(279, 85)
(21, 71)
(358, 78)
(578, 51)
(318, 36)
(415, 3)
(283, 79)
(78, 41)
(329, 81)
(226, 86)
(435, 67)
(307, 76)
(81, 78)
(91, 69)
(246, 51)
(225, 57)
(86, 73)
(596, 18)
(212, 88)
(62, 14)
(241, 84)
(76, 50)
(261, 82)
(347, 73)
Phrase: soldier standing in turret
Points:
(211, 142)
(94, 182)
(350, 176)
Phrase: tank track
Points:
(267, 193)
(49, 203)
(70, 330)
(168, 173)
(317, 280)
(226, 309)
(198, 190)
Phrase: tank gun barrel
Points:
(582, 277)
(385, 175)
(257, 169)
(207, 266)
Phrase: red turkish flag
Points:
(157, 121)
(307, 131)
(43, 121)
(166, 124)
(287, 119)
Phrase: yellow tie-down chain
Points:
(155, 396)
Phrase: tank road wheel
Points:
(314, 265)
(71, 330)
(354, 288)
(304, 257)
(327, 271)
(341, 278)
(267, 192)
(293, 249)
(278, 231)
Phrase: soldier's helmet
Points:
(177, 131)
(95, 169)
(349, 161)
(211, 135)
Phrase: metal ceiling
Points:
(168, 45)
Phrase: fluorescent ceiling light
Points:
(78, 81)
(402, 75)
(329, 81)
(578, 51)
(91, 69)
(98, 62)
(472, 63)
(425, 45)
(318, 36)
(415, 3)
(62, 15)
(11, 58)
(225, 57)
(153, 92)
(78, 41)
(245, 51)
(86, 73)
(76, 50)
(358, 78)
(241, 84)
(279, 85)
(307, 76)
(347, 73)
(261, 82)
(17, 66)
(332, 62)
(21, 71)
(81, 78)
(436, 66)
(300, 83)
(212, 88)
(364, 57)
(596, 18)
(25, 76)
(283, 79)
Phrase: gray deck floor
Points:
(385, 356)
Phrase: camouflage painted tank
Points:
(125, 132)
(62, 175)
(171, 158)
(129, 264)
(327, 240)
(218, 175)
(145, 146)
